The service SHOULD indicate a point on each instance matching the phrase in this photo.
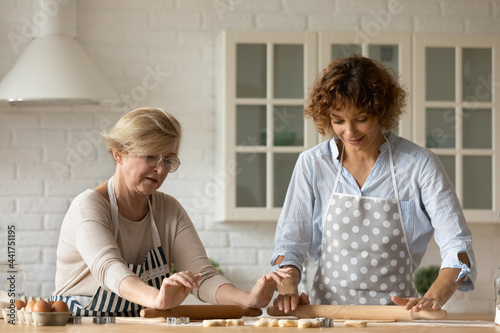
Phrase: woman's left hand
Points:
(416, 304)
(263, 291)
(175, 289)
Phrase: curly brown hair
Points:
(356, 84)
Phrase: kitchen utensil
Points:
(103, 320)
(326, 322)
(201, 312)
(177, 320)
(358, 312)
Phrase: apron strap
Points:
(393, 173)
(395, 185)
(114, 215)
(341, 166)
(114, 206)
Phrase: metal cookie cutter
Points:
(325, 322)
(103, 320)
(177, 320)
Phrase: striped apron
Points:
(152, 271)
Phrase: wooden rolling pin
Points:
(201, 312)
(358, 312)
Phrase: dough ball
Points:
(288, 323)
(309, 323)
(355, 323)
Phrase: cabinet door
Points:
(456, 115)
(261, 124)
(391, 49)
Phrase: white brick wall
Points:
(50, 154)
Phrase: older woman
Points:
(366, 203)
(119, 240)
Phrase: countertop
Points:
(460, 323)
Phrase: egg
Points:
(29, 306)
(19, 304)
(41, 306)
(59, 306)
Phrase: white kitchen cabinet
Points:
(263, 80)
(393, 50)
(261, 129)
(456, 115)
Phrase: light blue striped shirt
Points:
(428, 202)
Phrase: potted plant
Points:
(424, 277)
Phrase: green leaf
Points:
(424, 277)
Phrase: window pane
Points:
(288, 71)
(288, 125)
(440, 74)
(385, 54)
(345, 50)
(440, 128)
(251, 180)
(283, 168)
(477, 124)
(476, 74)
(250, 124)
(251, 70)
(478, 182)
(449, 165)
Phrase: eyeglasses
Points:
(170, 163)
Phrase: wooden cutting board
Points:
(202, 312)
(359, 312)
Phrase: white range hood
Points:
(54, 68)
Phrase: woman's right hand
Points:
(175, 289)
(289, 302)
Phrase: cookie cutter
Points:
(325, 322)
(103, 320)
(177, 320)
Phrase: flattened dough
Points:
(214, 322)
(267, 322)
(234, 322)
(355, 323)
(288, 323)
(309, 323)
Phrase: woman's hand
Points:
(287, 302)
(416, 304)
(439, 292)
(263, 291)
(175, 289)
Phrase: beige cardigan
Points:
(88, 256)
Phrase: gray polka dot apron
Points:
(365, 257)
(152, 271)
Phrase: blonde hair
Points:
(144, 131)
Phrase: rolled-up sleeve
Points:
(97, 246)
(451, 232)
(189, 254)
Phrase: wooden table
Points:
(459, 323)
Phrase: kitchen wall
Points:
(161, 53)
